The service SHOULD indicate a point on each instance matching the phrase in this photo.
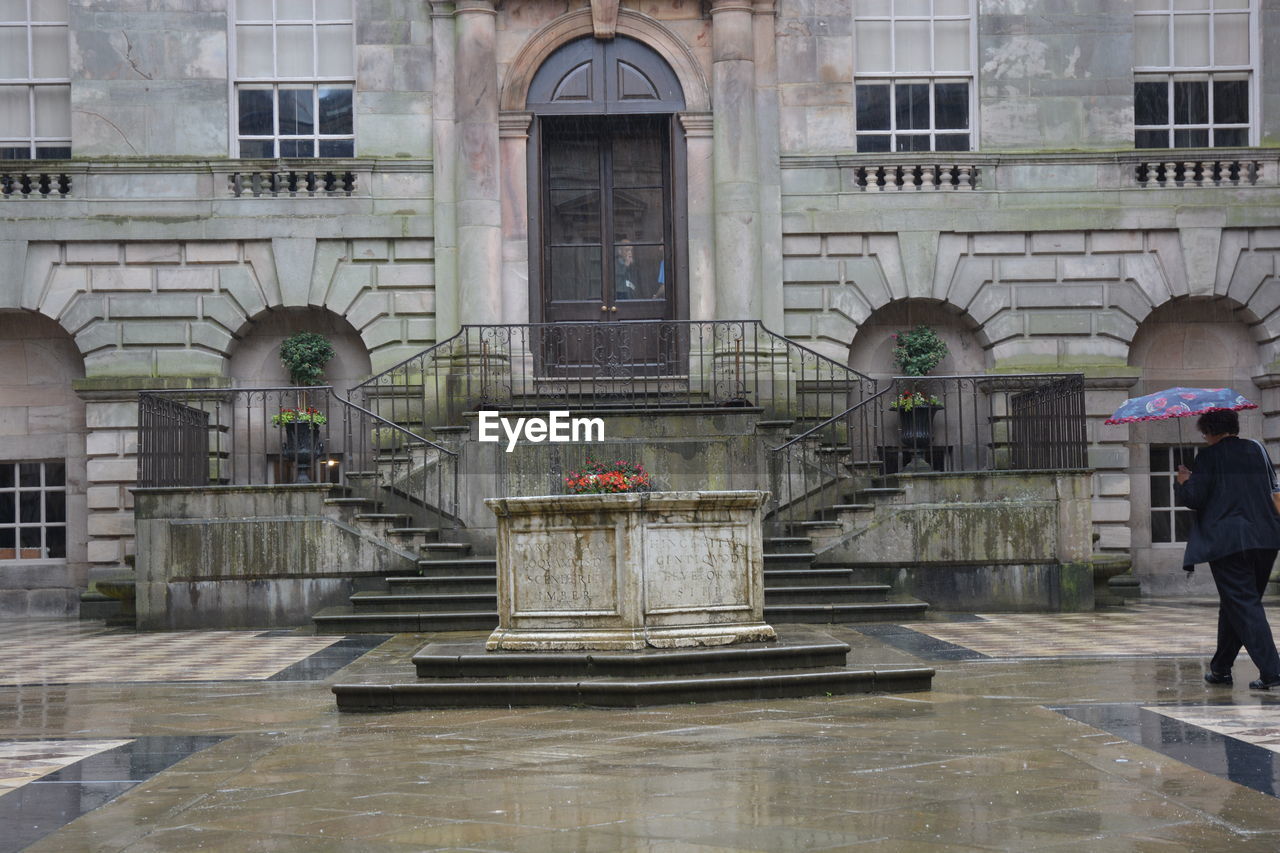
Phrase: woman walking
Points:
(1236, 530)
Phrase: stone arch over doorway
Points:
(42, 443)
(1197, 342)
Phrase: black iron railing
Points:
(933, 423)
(253, 436)
(623, 365)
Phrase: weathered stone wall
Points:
(248, 557)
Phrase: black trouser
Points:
(1241, 579)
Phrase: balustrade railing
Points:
(633, 365)
(256, 436)
(993, 422)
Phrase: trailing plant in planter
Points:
(909, 400)
(597, 478)
(304, 355)
(307, 415)
(918, 351)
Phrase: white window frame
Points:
(31, 82)
(1169, 74)
(893, 77)
(315, 81)
(1172, 510)
(43, 524)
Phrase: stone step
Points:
(835, 511)
(809, 576)
(444, 585)
(875, 492)
(782, 596)
(445, 550)
(343, 620)
(628, 693)
(396, 519)
(797, 559)
(423, 534)
(890, 611)
(787, 544)
(422, 602)
(442, 660)
(460, 566)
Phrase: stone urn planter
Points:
(303, 445)
(630, 571)
(915, 426)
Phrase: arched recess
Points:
(574, 25)
(871, 351)
(1195, 342)
(255, 357)
(43, 511)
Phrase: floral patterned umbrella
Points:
(1179, 403)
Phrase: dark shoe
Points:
(1265, 683)
(1217, 677)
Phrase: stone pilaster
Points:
(513, 140)
(736, 161)
(769, 169)
(698, 130)
(478, 201)
(444, 162)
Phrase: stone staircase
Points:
(796, 590)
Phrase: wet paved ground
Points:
(1075, 732)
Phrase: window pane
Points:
(294, 57)
(951, 46)
(1151, 103)
(50, 48)
(333, 9)
(335, 110)
(1191, 102)
(1191, 139)
(29, 543)
(253, 10)
(53, 152)
(911, 45)
(296, 112)
(1151, 139)
(1231, 40)
(253, 52)
(334, 47)
(1236, 137)
(337, 148)
(8, 543)
(951, 105)
(29, 474)
(13, 10)
(638, 271)
(1231, 4)
(256, 117)
(573, 216)
(7, 508)
(637, 215)
(951, 7)
(55, 506)
(257, 149)
(1181, 526)
(15, 111)
(1151, 41)
(873, 143)
(572, 163)
(1231, 101)
(55, 474)
(1160, 527)
(637, 159)
(1158, 458)
(1160, 491)
(912, 106)
(53, 111)
(55, 539)
(575, 273)
(951, 142)
(297, 148)
(13, 52)
(293, 10)
(873, 107)
(29, 507)
(913, 142)
(873, 46)
(6, 480)
(911, 7)
(1191, 41)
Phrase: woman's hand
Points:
(1184, 474)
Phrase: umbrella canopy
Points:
(1179, 403)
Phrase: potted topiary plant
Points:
(304, 355)
(915, 353)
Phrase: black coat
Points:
(1230, 490)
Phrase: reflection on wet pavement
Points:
(981, 762)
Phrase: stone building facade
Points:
(1091, 186)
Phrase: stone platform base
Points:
(463, 674)
(622, 639)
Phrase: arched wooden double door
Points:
(607, 218)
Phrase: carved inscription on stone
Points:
(566, 570)
(714, 572)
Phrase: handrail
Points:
(829, 421)
(393, 425)
(375, 377)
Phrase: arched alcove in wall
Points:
(42, 466)
(255, 359)
(871, 351)
(1205, 343)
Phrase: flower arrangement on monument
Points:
(597, 478)
(306, 415)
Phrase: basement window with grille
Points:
(33, 511)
